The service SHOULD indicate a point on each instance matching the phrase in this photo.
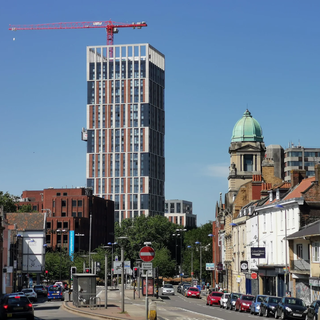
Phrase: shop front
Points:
(272, 280)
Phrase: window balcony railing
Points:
(301, 265)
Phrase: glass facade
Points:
(125, 125)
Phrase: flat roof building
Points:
(125, 128)
(299, 157)
(180, 213)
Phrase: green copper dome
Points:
(247, 129)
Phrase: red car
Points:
(193, 292)
(244, 302)
(214, 298)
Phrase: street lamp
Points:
(176, 235)
(112, 244)
(61, 232)
(122, 272)
(286, 244)
(214, 259)
(190, 247)
(106, 276)
(199, 243)
(181, 233)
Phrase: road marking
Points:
(207, 316)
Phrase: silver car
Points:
(168, 289)
(224, 299)
(31, 294)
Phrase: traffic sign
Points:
(209, 266)
(254, 275)
(147, 254)
(146, 265)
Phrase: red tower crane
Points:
(110, 26)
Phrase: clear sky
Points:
(221, 58)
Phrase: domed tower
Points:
(246, 150)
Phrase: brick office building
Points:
(68, 217)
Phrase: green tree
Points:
(58, 263)
(25, 208)
(8, 202)
(158, 230)
(201, 235)
(164, 262)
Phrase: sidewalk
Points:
(134, 308)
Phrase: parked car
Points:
(224, 299)
(185, 288)
(167, 289)
(55, 293)
(193, 292)
(232, 300)
(256, 303)
(40, 290)
(268, 306)
(291, 308)
(16, 306)
(180, 286)
(31, 294)
(214, 298)
(243, 303)
(312, 312)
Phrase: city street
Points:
(175, 307)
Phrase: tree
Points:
(25, 208)
(157, 230)
(8, 202)
(205, 242)
(164, 262)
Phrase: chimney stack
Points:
(297, 175)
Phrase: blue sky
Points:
(221, 57)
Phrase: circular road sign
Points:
(254, 275)
(147, 254)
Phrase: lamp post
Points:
(190, 247)
(106, 276)
(122, 272)
(286, 244)
(181, 233)
(61, 232)
(176, 235)
(112, 244)
(200, 280)
(214, 259)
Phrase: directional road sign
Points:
(146, 254)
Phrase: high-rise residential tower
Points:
(125, 128)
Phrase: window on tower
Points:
(248, 162)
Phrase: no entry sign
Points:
(146, 254)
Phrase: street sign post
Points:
(146, 266)
(147, 254)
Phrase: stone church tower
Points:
(247, 151)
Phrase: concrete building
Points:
(299, 157)
(125, 128)
(68, 217)
(180, 213)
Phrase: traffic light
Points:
(135, 272)
(46, 272)
(98, 266)
(88, 270)
(72, 271)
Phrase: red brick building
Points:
(70, 210)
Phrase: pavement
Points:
(134, 307)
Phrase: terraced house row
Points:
(267, 228)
